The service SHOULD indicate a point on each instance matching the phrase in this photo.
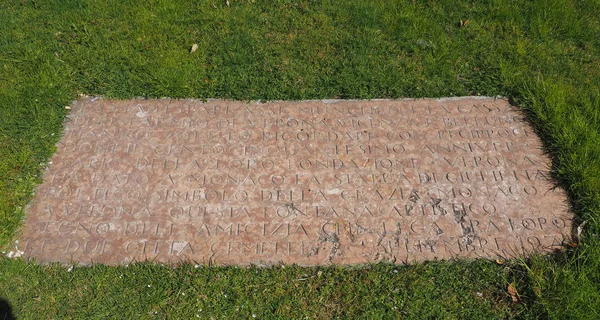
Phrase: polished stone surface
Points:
(311, 183)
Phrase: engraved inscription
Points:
(312, 183)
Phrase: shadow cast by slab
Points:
(6, 310)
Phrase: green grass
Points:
(151, 291)
(545, 55)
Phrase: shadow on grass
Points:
(6, 310)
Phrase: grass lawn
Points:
(545, 55)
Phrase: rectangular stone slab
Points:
(310, 183)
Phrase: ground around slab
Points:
(543, 55)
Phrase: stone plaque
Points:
(311, 183)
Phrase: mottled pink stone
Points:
(308, 183)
